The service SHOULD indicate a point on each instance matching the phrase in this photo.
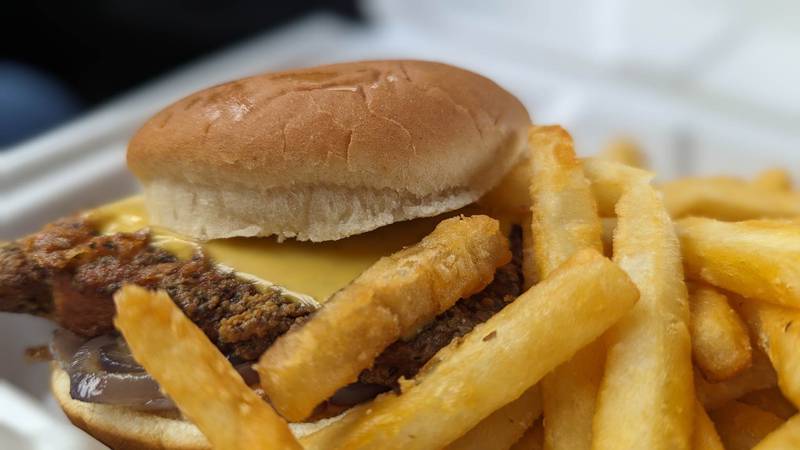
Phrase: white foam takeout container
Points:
(596, 75)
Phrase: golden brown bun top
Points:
(378, 128)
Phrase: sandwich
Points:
(261, 198)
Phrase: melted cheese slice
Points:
(317, 269)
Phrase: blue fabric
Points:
(30, 102)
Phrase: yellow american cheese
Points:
(317, 269)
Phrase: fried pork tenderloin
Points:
(68, 273)
(84, 269)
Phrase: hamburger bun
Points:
(327, 152)
(126, 428)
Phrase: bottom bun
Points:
(126, 428)
(122, 427)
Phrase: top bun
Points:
(327, 152)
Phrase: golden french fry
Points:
(492, 365)
(720, 343)
(756, 259)
(774, 180)
(390, 300)
(704, 435)
(570, 394)
(533, 439)
(777, 332)
(727, 198)
(787, 436)
(647, 385)
(530, 274)
(564, 212)
(772, 400)
(609, 180)
(623, 150)
(501, 429)
(759, 376)
(510, 197)
(195, 375)
(609, 225)
(564, 221)
(742, 426)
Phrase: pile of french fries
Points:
(655, 317)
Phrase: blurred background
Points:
(704, 86)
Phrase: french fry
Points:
(727, 198)
(530, 274)
(609, 225)
(777, 332)
(390, 300)
(564, 213)
(502, 428)
(704, 435)
(647, 386)
(623, 150)
(772, 400)
(720, 343)
(756, 259)
(533, 439)
(195, 375)
(759, 376)
(609, 180)
(564, 221)
(510, 197)
(570, 394)
(787, 436)
(774, 180)
(492, 365)
(742, 426)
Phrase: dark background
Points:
(90, 50)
